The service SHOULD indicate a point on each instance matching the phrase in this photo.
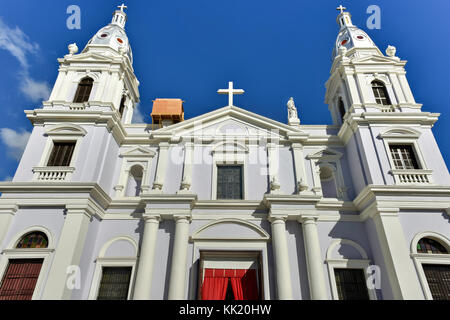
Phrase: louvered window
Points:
(84, 90)
(341, 109)
(20, 279)
(404, 157)
(61, 155)
(229, 182)
(380, 93)
(351, 284)
(122, 106)
(115, 283)
(438, 278)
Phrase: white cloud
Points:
(36, 91)
(138, 117)
(15, 141)
(19, 45)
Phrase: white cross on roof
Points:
(230, 92)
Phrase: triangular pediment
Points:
(374, 59)
(138, 152)
(90, 57)
(230, 121)
(325, 154)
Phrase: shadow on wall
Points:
(296, 230)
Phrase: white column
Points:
(177, 287)
(7, 213)
(161, 169)
(316, 177)
(142, 289)
(397, 88)
(299, 163)
(314, 262)
(364, 89)
(67, 253)
(402, 275)
(187, 171)
(352, 89)
(406, 89)
(281, 254)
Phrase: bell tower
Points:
(362, 78)
(101, 77)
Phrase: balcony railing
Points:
(416, 176)
(53, 173)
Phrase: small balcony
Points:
(414, 176)
(53, 173)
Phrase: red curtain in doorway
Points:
(243, 282)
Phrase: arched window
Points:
(134, 181)
(428, 245)
(33, 240)
(341, 109)
(328, 182)
(83, 90)
(380, 93)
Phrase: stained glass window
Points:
(427, 245)
(33, 240)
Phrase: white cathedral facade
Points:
(229, 205)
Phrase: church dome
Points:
(113, 35)
(351, 36)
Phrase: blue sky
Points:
(189, 49)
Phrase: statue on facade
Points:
(292, 112)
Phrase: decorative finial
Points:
(390, 51)
(341, 8)
(73, 48)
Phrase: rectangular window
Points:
(115, 283)
(351, 284)
(438, 278)
(229, 182)
(404, 157)
(61, 155)
(20, 279)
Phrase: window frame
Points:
(428, 258)
(112, 262)
(218, 166)
(230, 158)
(216, 259)
(404, 136)
(386, 92)
(12, 253)
(78, 87)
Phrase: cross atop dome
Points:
(121, 7)
(119, 16)
(341, 8)
(344, 18)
